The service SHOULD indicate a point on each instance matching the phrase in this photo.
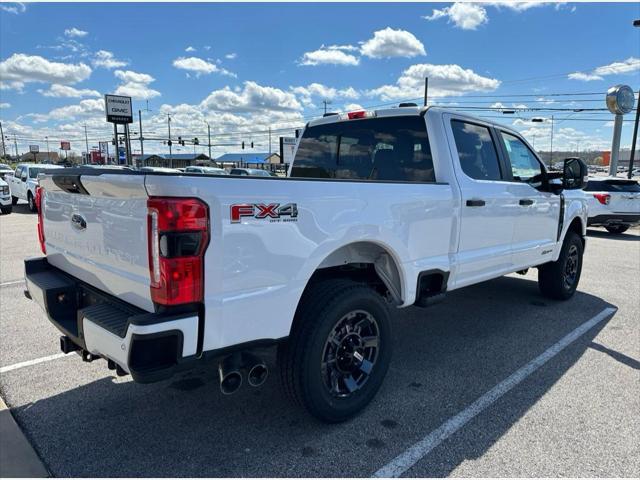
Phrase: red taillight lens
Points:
(178, 234)
(358, 114)
(603, 198)
(40, 208)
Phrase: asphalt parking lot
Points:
(576, 414)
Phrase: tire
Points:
(14, 200)
(343, 386)
(32, 202)
(617, 229)
(6, 210)
(559, 279)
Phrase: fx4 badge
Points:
(272, 211)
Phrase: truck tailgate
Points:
(95, 229)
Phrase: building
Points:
(176, 160)
(248, 159)
(41, 157)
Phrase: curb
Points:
(17, 456)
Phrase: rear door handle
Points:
(526, 201)
(475, 203)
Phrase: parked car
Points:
(315, 264)
(5, 197)
(614, 203)
(24, 181)
(252, 172)
(207, 170)
(5, 170)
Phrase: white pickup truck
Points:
(24, 181)
(381, 210)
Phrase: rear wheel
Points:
(32, 202)
(559, 279)
(339, 351)
(617, 228)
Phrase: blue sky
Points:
(254, 66)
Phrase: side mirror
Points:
(575, 174)
(23, 178)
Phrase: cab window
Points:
(18, 172)
(524, 164)
(476, 151)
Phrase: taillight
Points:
(40, 209)
(603, 198)
(178, 235)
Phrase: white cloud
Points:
(323, 92)
(231, 56)
(135, 85)
(392, 43)
(15, 85)
(585, 77)
(85, 108)
(189, 49)
(200, 66)
(15, 8)
(331, 55)
(75, 32)
(65, 91)
(629, 65)
(106, 59)
(20, 68)
(444, 80)
(5, 105)
(252, 97)
(467, 16)
(351, 107)
(135, 77)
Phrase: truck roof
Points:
(398, 112)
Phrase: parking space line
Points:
(13, 282)
(414, 454)
(28, 363)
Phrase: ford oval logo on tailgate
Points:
(78, 222)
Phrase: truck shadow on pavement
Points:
(629, 235)
(445, 357)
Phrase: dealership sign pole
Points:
(34, 149)
(620, 100)
(120, 112)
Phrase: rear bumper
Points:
(150, 346)
(630, 219)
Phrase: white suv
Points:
(614, 203)
(5, 197)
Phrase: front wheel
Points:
(617, 228)
(559, 279)
(6, 210)
(339, 351)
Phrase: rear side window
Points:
(629, 186)
(385, 149)
(476, 150)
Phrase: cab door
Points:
(18, 186)
(487, 210)
(537, 212)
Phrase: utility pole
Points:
(209, 137)
(141, 138)
(269, 140)
(4, 150)
(86, 141)
(47, 139)
(551, 153)
(326, 102)
(127, 144)
(169, 142)
(426, 90)
(15, 143)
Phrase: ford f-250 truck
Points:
(381, 210)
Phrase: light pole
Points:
(620, 100)
(209, 138)
(86, 141)
(169, 141)
(47, 139)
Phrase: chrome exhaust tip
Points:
(230, 376)
(257, 370)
